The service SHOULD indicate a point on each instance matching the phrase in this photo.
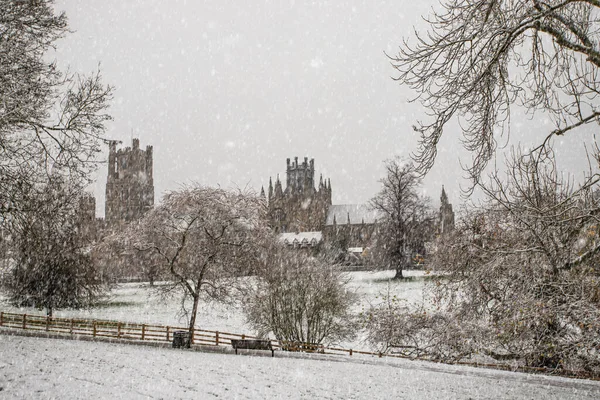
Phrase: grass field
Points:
(138, 302)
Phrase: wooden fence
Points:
(161, 333)
(155, 333)
(114, 329)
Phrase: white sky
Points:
(225, 91)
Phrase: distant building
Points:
(352, 224)
(86, 217)
(129, 185)
(129, 191)
(301, 209)
(301, 239)
(303, 215)
(446, 215)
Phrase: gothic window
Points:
(278, 215)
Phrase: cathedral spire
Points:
(270, 188)
(446, 215)
(278, 189)
(444, 197)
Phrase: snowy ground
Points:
(41, 368)
(137, 302)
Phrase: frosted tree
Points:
(50, 127)
(204, 238)
(519, 274)
(50, 122)
(116, 258)
(479, 58)
(518, 277)
(406, 219)
(49, 263)
(303, 300)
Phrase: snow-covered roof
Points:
(301, 238)
(355, 249)
(358, 213)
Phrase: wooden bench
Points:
(303, 347)
(252, 344)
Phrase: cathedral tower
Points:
(300, 177)
(129, 185)
(300, 207)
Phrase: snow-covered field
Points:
(65, 369)
(137, 302)
(41, 368)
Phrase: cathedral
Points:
(129, 184)
(300, 207)
(304, 215)
(129, 190)
(302, 212)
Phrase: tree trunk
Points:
(193, 318)
(49, 307)
(399, 273)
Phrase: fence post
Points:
(71, 327)
(243, 336)
(94, 328)
(167, 333)
(143, 331)
(119, 330)
(1, 318)
(192, 337)
(24, 321)
(217, 338)
(47, 323)
(350, 352)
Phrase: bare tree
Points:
(301, 299)
(406, 218)
(50, 264)
(206, 238)
(115, 255)
(50, 127)
(415, 331)
(481, 57)
(50, 122)
(518, 278)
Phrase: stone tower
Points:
(129, 186)
(86, 217)
(300, 177)
(300, 207)
(446, 215)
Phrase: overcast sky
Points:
(225, 91)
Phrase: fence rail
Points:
(148, 332)
(114, 329)
(162, 333)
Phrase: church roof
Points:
(358, 214)
(301, 238)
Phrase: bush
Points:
(301, 300)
